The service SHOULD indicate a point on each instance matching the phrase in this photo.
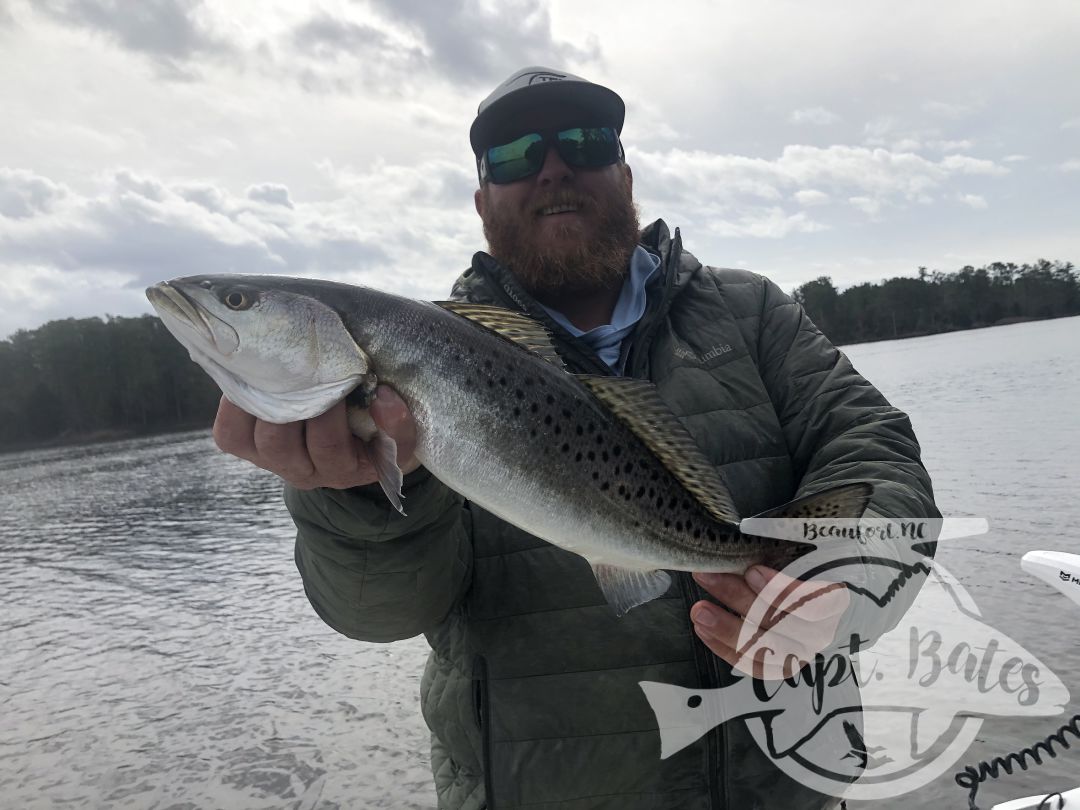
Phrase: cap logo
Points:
(540, 78)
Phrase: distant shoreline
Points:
(1011, 321)
(72, 439)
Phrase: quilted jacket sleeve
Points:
(373, 574)
(840, 429)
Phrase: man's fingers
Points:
(281, 449)
(812, 601)
(234, 431)
(729, 589)
(331, 445)
(717, 622)
(763, 662)
(392, 416)
(789, 636)
(318, 452)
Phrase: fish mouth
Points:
(171, 302)
(200, 328)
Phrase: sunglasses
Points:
(579, 147)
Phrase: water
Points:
(158, 651)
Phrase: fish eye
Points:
(238, 300)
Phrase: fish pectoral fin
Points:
(382, 450)
(625, 588)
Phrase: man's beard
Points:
(591, 262)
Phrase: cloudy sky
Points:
(147, 139)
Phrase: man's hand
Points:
(319, 452)
(782, 623)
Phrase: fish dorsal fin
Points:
(637, 404)
(514, 326)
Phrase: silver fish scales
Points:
(595, 465)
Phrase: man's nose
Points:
(554, 169)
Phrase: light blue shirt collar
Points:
(606, 340)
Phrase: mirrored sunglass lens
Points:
(589, 146)
(519, 158)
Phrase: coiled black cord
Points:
(974, 775)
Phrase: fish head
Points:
(277, 353)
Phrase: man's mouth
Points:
(558, 209)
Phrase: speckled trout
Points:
(596, 465)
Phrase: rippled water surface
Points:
(158, 651)
(996, 412)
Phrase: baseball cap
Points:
(536, 85)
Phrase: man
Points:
(531, 691)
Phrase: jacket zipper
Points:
(482, 709)
(709, 676)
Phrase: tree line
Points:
(75, 379)
(1001, 292)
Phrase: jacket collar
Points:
(488, 282)
(678, 264)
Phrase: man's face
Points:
(565, 229)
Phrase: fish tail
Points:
(683, 715)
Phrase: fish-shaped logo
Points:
(925, 687)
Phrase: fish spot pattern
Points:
(562, 428)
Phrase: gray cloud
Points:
(24, 194)
(148, 230)
(327, 37)
(270, 193)
(395, 45)
(342, 53)
(738, 196)
(63, 251)
(170, 32)
(468, 41)
(388, 47)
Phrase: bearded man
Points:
(531, 690)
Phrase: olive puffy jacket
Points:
(531, 689)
